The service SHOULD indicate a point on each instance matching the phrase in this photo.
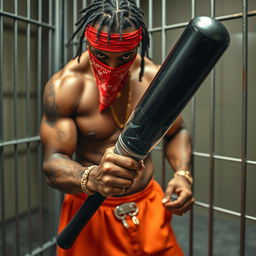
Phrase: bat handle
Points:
(69, 234)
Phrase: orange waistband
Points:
(116, 200)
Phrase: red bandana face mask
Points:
(110, 80)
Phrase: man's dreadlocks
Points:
(117, 15)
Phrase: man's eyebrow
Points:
(127, 53)
(97, 51)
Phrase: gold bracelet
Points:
(186, 174)
(85, 179)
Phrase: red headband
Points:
(128, 42)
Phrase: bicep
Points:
(176, 127)
(58, 129)
(59, 136)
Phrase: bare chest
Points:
(99, 130)
(97, 125)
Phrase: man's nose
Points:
(113, 63)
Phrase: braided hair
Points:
(117, 15)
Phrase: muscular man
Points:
(86, 105)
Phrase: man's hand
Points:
(115, 174)
(185, 200)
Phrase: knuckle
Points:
(130, 163)
(106, 167)
(107, 191)
(106, 180)
(170, 183)
(190, 194)
(108, 157)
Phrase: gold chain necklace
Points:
(128, 108)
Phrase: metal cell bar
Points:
(65, 29)
(193, 129)
(163, 36)
(211, 159)
(84, 5)
(54, 202)
(15, 124)
(226, 158)
(50, 40)
(2, 183)
(39, 111)
(236, 16)
(74, 21)
(25, 19)
(150, 25)
(42, 248)
(163, 30)
(219, 18)
(19, 141)
(193, 8)
(28, 121)
(193, 115)
(58, 35)
(3, 227)
(223, 210)
(244, 126)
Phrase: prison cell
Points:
(220, 118)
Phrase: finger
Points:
(117, 182)
(179, 202)
(111, 169)
(110, 191)
(125, 173)
(142, 164)
(128, 163)
(122, 161)
(188, 206)
(168, 194)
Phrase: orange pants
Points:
(105, 235)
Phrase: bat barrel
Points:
(190, 61)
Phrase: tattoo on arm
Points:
(50, 107)
(68, 167)
(61, 134)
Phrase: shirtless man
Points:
(81, 124)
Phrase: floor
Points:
(226, 235)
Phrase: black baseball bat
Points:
(196, 52)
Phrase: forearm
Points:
(178, 151)
(63, 173)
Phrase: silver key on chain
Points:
(133, 214)
(125, 223)
(122, 210)
(121, 216)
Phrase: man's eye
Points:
(126, 57)
(100, 55)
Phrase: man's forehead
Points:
(106, 29)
